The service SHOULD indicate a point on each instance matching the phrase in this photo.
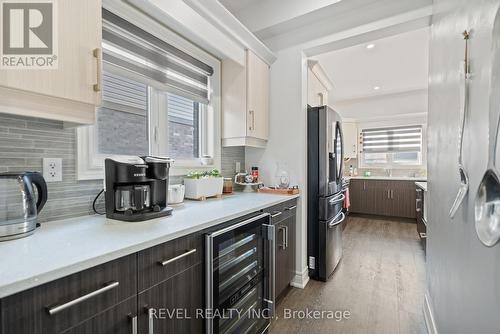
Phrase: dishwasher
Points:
(239, 277)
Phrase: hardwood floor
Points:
(380, 281)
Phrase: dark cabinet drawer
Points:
(161, 262)
(66, 302)
(171, 307)
(282, 211)
(120, 319)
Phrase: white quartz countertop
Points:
(422, 185)
(64, 247)
(393, 178)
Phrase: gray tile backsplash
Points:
(25, 141)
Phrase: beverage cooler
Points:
(239, 277)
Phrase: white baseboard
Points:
(429, 316)
(300, 279)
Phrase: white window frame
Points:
(390, 163)
(90, 164)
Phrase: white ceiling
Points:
(398, 65)
(284, 23)
(260, 14)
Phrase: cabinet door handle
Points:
(283, 237)
(418, 209)
(252, 123)
(286, 237)
(364, 185)
(189, 252)
(98, 56)
(388, 196)
(149, 311)
(62, 307)
(134, 323)
(423, 235)
(276, 214)
(392, 194)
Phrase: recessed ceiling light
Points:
(376, 88)
(370, 46)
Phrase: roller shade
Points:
(151, 58)
(394, 139)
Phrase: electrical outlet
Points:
(52, 169)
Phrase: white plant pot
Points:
(203, 187)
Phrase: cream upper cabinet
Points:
(350, 132)
(317, 93)
(245, 102)
(70, 91)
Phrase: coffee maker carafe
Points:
(137, 188)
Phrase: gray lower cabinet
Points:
(62, 304)
(172, 306)
(383, 198)
(284, 217)
(285, 255)
(157, 290)
(120, 319)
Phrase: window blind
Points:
(151, 58)
(180, 110)
(393, 139)
(123, 94)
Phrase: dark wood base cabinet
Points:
(383, 198)
(172, 306)
(118, 320)
(157, 290)
(284, 219)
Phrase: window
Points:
(157, 99)
(394, 146)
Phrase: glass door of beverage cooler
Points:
(239, 277)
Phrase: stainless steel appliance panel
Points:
(330, 245)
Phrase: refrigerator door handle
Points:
(337, 199)
(337, 220)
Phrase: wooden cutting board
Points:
(278, 191)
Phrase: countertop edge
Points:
(46, 277)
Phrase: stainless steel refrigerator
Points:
(325, 155)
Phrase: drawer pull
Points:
(189, 252)
(150, 321)
(291, 208)
(274, 215)
(106, 287)
(134, 324)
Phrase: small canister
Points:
(228, 186)
(255, 174)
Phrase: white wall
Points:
(463, 276)
(288, 139)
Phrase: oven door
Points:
(239, 277)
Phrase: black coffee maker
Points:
(137, 188)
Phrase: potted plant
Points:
(200, 185)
